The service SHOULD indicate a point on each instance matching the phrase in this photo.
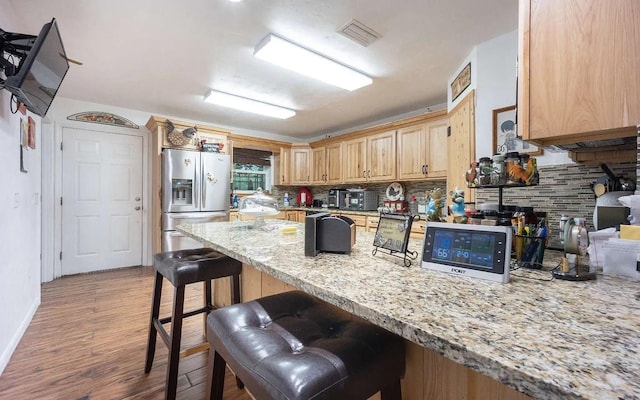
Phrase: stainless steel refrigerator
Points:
(195, 189)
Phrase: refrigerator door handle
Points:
(203, 182)
(196, 187)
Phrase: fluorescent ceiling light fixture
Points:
(245, 104)
(291, 56)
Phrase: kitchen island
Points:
(545, 338)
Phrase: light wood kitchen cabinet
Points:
(422, 151)
(300, 165)
(294, 216)
(326, 164)
(370, 158)
(461, 147)
(578, 76)
(282, 167)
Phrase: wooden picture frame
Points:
(393, 232)
(461, 82)
(504, 134)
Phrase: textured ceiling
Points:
(162, 56)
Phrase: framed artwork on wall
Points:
(461, 82)
(504, 134)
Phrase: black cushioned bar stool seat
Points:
(295, 346)
(181, 268)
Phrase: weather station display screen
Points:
(467, 248)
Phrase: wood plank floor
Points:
(88, 341)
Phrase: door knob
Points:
(138, 208)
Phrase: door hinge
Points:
(60, 256)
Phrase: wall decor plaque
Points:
(462, 81)
(98, 117)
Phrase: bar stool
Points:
(295, 346)
(181, 268)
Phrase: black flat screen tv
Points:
(40, 74)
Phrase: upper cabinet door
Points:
(579, 69)
(300, 165)
(355, 160)
(381, 156)
(318, 165)
(282, 166)
(437, 150)
(412, 152)
(334, 163)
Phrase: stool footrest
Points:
(188, 314)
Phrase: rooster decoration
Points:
(527, 174)
(188, 133)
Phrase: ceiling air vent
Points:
(359, 32)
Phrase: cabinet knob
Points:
(137, 208)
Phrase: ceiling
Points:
(162, 56)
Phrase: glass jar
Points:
(498, 176)
(484, 171)
(512, 165)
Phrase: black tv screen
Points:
(40, 74)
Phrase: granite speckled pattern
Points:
(547, 338)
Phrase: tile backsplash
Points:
(563, 189)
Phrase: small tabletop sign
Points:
(393, 235)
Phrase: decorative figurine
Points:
(457, 208)
(471, 176)
(435, 206)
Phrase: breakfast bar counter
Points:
(548, 339)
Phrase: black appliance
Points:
(42, 65)
(333, 198)
(358, 200)
(326, 233)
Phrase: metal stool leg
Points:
(217, 378)
(235, 289)
(391, 392)
(155, 313)
(176, 335)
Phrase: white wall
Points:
(20, 230)
(493, 75)
(20, 226)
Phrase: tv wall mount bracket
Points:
(13, 45)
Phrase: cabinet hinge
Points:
(61, 146)
(60, 256)
(448, 131)
(60, 200)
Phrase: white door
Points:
(101, 201)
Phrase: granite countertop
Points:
(547, 338)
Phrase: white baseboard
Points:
(15, 340)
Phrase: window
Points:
(251, 170)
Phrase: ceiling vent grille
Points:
(359, 32)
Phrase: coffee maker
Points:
(333, 198)
(575, 238)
